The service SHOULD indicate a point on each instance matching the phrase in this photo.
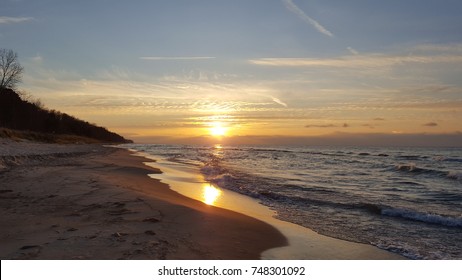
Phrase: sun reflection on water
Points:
(210, 194)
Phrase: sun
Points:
(218, 130)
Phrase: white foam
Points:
(423, 217)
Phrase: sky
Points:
(247, 71)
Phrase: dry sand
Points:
(94, 202)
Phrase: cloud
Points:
(448, 48)
(278, 101)
(176, 57)
(107, 90)
(37, 59)
(352, 51)
(345, 125)
(431, 124)
(357, 61)
(301, 14)
(368, 125)
(320, 125)
(10, 20)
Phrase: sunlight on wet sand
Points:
(210, 194)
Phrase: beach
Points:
(96, 202)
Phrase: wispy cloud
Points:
(345, 125)
(176, 57)
(357, 61)
(440, 48)
(352, 51)
(278, 101)
(301, 14)
(37, 59)
(10, 20)
(107, 92)
(431, 124)
(320, 125)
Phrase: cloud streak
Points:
(176, 57)
(357, 61)
(278, 101)
(11, 20)
(431, 124)
(345, 125)
(301, 14)
(352, 51)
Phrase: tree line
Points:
(19, 114)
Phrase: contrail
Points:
(278, 101)
(8, 20)
(301, 14)
(176, 57)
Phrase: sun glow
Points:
(217, 129)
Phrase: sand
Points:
(94, 202)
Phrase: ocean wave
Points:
(413, 169)
(210, 171)
(235, 183)
(270, 150)
(293, 195)
(409, 183)
(300, 196)
(412, 157)
(447, 159)
(406, 250)
(455, 175)
(423, 217)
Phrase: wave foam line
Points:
(423, 217)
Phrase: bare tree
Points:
(10, 69)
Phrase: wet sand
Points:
(93, 202)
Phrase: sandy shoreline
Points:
(93, 202)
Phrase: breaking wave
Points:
(423, 217)
(414, 169)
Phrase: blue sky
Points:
(261, 67)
